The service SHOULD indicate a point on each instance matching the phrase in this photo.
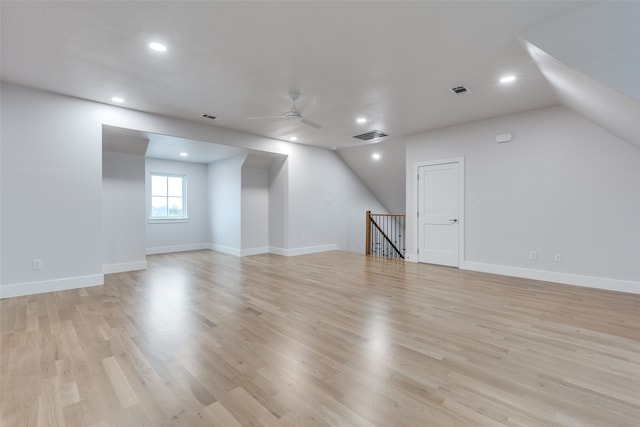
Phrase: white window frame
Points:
(168, 219)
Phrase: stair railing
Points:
(385, 235)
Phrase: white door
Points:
(438, 214)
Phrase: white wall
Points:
(255, 211)
(563, 185)
(52, 156)
(279, 205)
(51, 192)
(123, 212)
(225, 204)
(327, 202)
(180, 236)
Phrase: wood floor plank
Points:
(123, 390)
(332, 339)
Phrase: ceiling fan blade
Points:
(312, 124)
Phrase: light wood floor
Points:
(332, 339)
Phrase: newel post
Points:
(367, 250)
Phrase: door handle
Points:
(453, 221)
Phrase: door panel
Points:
(438, 214)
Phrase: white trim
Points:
(177, 248)
(305, 250)
(244, 252)
(254, 251)
(411, 257)
(31, 288)
(124, 267)
(278, 251)
(461, 199)
(225, 249)
(554, 276)
(167, 220)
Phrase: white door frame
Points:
(461, 221)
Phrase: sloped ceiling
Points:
(385, 175)
(604, 106)
(601, 41)
(591, 59)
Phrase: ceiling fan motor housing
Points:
(293, 116)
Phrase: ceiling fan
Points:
(293, 115)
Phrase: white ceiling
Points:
(170, 147)
(167, 147)
(392, 62)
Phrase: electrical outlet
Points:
(533, 255)
(37, 264)
(557, 257)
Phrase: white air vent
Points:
(374, 134)
(459, 90)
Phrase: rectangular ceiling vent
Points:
(459, 90)
(374, 134)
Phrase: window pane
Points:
(175, 207)
(175, 186)
(159, 207)
(158, 185)
(168, 196)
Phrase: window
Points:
(168, 197)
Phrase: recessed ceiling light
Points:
(293, 139)
(375, 156)
(507, 79)
(361, 120)
(117, 99)
(158, 47)
(183, 154)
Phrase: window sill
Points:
(166, 220)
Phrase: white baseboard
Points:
(124, 266)
(278, 251)
(304, 251)
(225, 249)
(553, 276)
(31, 288)
(411, 257)
(177, 248)
(274, 250)
(254, 251)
